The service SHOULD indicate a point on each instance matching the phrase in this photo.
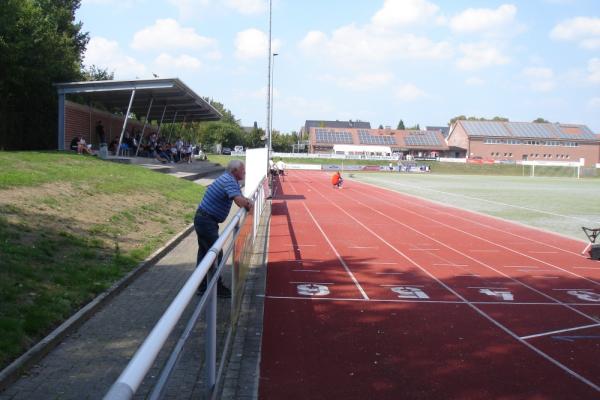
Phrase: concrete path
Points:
(86, 363)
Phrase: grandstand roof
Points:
(527, 130)
(181, 102)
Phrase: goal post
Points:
(558, 169)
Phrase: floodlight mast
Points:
(269, 93)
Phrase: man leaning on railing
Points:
(213, 209)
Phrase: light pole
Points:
(271, 108)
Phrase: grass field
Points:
(560, 205)
(70, 226)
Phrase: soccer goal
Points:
(559, 169)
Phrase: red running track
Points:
(372, 294)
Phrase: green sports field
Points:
(561, 205)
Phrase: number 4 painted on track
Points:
(587, 295)
(407, 292)
(311, 289)
(498, 293)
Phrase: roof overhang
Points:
(171, 96)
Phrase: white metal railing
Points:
(132, 376)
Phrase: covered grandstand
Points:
(519, 141)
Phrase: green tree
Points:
(228, 116)
(95, 73)
(414, 128)
(540, 121)
(211, 133)
(40, 44)
(401, 125)
(380, 126)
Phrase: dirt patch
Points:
(129, 219)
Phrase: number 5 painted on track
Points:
(407, 292)
(311, 289)
(586, 295)
(498, 293)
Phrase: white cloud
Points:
(253, 43)
(474, 81)
(480, 55)
(107, 54)
(474, 20)
(541, 79)
(594, 70)
(594, 103)
(583, 30)
(167, 34)
(409, 92)
(355, 47)
(184, 61)
(403, 12)
(360, 82)
(248, 6)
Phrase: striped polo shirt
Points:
(219, 196)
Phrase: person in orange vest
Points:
(337, 180)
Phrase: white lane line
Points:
(360, 289)
(363, 247)
(389, 273)
(315, 283)
(559, 331)
(487, 287)
(544, 277)
(414, 249)
(450, 265)
(479, 237)
(512, 303)
(470, 220)
(306, 270)
(376, 263)
(587, 268)
(458, 295)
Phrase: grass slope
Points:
(70, 226)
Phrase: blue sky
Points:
(375, 60)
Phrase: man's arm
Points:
(243, 202)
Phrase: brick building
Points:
(517, 141)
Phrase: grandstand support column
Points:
(171, 130)
(125, 121)
(161, 120)
(61, 120)
(144, 127)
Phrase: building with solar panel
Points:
(378, 142)
(518, 141)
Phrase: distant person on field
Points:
(213, 210)
(337, 181)
(280, 167)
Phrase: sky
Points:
(382, 61)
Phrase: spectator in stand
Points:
(82, 147)
(162, 154)
(213, 210)
(75, 143)
(100, 133)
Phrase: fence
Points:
(236, 242)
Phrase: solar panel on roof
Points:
(364, 137)
(424, 138)
(332, 137)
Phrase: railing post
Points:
(210, 349)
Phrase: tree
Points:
(40, 44)
(213, 132)
(380, 126)
(95, 73)
(463, 118)
(401, 125)
(228, 116)
(414, 128)
(540, 121)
